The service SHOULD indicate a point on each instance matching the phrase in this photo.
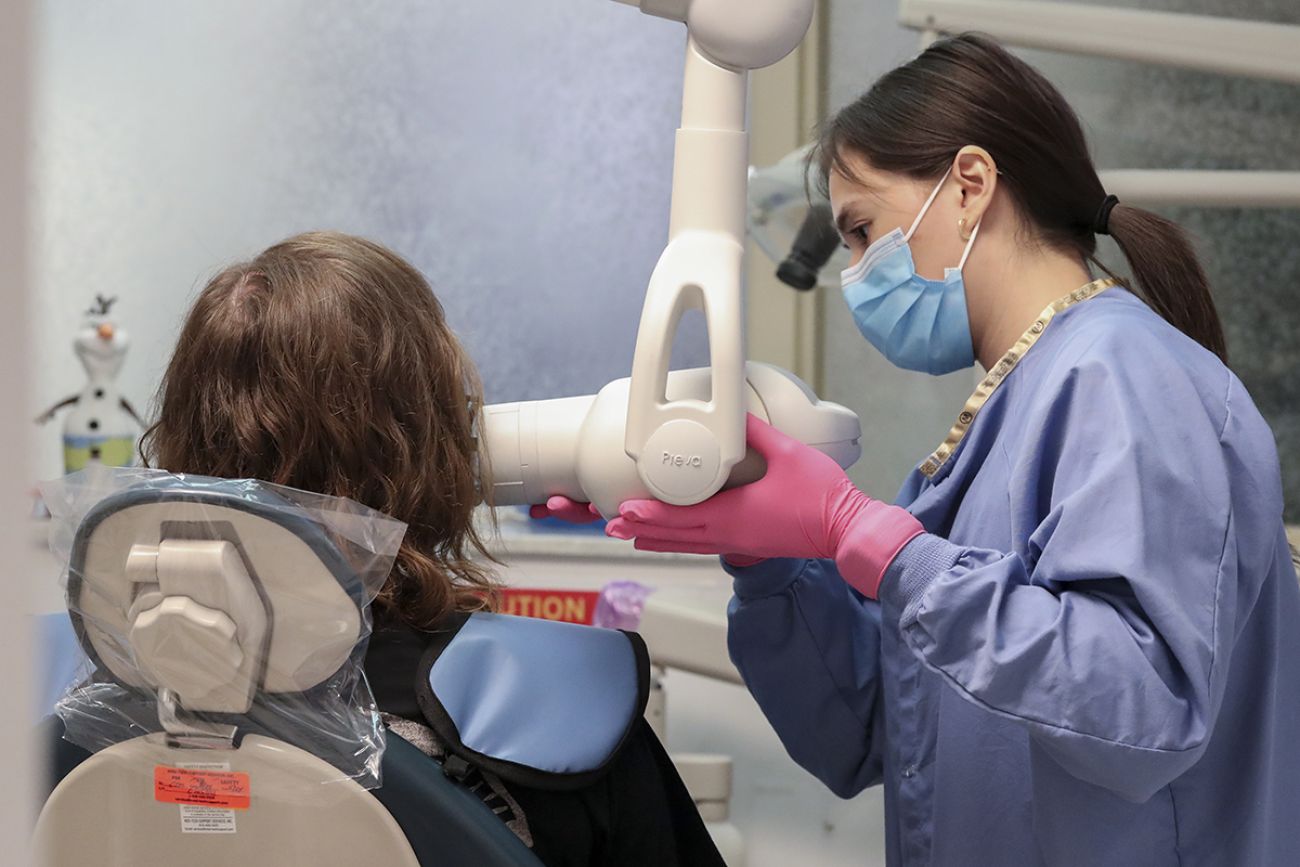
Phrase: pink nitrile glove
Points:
(566, 510)
(804, 506)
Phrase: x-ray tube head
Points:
(574, 446)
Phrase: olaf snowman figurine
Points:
(102, 426)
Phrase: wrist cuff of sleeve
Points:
(915, 568)
(871, 544)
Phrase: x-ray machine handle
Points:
(685, 450)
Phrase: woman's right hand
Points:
(804, 506)
(566, 510)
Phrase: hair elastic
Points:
(1101, 223)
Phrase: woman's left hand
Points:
(566, 510)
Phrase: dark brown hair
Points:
(968, 90)
(326, 364)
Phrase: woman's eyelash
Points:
(858, 233)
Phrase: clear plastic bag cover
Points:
(311, 563)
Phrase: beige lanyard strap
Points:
(1002, 370)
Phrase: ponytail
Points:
(968, 90)
(1168, 274)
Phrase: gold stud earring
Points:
(962, 230)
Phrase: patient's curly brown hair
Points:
(326, 364)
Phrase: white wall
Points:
(16, 795)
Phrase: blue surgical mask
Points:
(918, 324)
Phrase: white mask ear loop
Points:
(969, 245)
(928, 202)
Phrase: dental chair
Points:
(218, 613)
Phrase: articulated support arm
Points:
(685, 450)
(682, 437)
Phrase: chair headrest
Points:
(216, 592)
(214, 609)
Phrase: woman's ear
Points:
(977, 176)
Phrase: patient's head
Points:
(326, 364)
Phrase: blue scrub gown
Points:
(1092, 657)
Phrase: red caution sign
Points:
(223, 789)
(571, 606)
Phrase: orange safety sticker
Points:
(572, 606)
(225, 789)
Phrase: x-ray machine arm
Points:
(681, 437)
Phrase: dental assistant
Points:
(1075, 640)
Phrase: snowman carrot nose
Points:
(105, 331)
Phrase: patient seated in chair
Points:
(326, 364)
